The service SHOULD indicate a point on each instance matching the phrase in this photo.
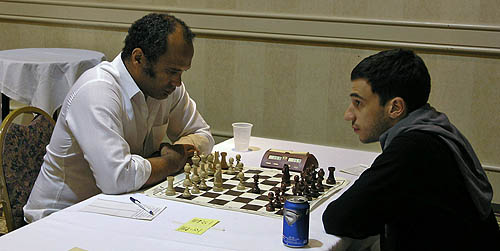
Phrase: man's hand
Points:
(171, 161)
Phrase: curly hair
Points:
(396, 73)
(150, 34)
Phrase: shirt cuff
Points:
(142, 171)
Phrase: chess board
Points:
(242, 200)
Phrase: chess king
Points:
(427, 189)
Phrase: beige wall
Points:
(284, 65)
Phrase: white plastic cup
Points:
(241, 134)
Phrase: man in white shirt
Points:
(116, 115)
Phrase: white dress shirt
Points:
(105, 128)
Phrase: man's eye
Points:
(356, 102)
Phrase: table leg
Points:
(5, 106)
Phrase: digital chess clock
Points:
(297, 161)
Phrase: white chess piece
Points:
(218, 179)
(230, 169)
(241, 185)
(210, 165)
(186, 193)
(170, 188)
(203, 184)
(187, 172)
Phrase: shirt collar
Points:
(126, 81)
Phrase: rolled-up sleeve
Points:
(186, 125)
(95, 119)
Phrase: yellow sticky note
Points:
(77, 249)
(197, 226)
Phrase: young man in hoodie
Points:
(427, 190)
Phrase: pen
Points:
(137, 202)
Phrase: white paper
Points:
(122, 209)
(355, 170)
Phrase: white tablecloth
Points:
(41, 77)
(236, 230)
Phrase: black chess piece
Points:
(331, 177)
(319, 185)
(270, 205)
(255, 188)
(277, 202)
(314, 190)
(285, 179)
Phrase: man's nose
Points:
(177, 79)
(348, 114)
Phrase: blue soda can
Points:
(296, 221)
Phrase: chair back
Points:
(22, 148)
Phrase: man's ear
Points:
(137, 57)
(397, 108)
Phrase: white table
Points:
(236, 231)
(42, 77)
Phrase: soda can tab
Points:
(296, 221)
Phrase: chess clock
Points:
(297, 161)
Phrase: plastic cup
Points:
(241, 134)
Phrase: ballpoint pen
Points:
(138, 203)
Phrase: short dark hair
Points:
(396, 73)
(150, 33)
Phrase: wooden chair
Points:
(22, 147)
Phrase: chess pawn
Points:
(170, 187)
(277, 201)
(196, 188)
(239, 166)
(186, 193)
(241, 177)
(223, 163)
(203, 184)
(210, 165)
(270, 206)
(238, 159)
(187, 172)
(230, 169)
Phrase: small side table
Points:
(42, 77)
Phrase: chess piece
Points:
(203, 173)
(239, 166)
(216, 160)
(255, 188)
(223, 163)
(195, 178)
(186, 193)
(285, 178)
(218, 179)
(203, 159)
(196, 188)
(203, 165)
(331, 177)
(187, 172)
(270, 206)
(210, 165)
(241, 177)
(314, 190)
(203, 184)
(238, 159)
(277, 202)
(196, 160)
(170, 187)
(230, 169)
